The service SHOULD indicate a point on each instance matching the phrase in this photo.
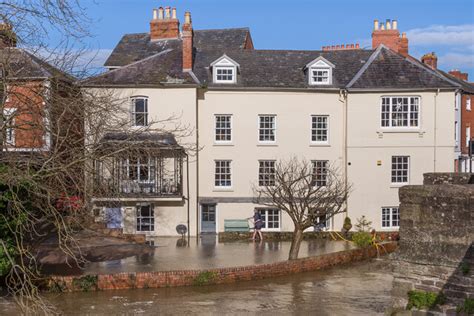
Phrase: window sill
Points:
(267, 145)
(223, 144)
(400, 130)
(390, 228)
(319, 145)
(223, 190)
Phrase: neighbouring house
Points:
(464, 117)
(33, 95)
(381, 117)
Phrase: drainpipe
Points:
(343, 97)
(187, 193)
(435, 129)
(197, 164)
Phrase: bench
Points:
(236, 225)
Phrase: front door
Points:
(208, 218)
(113, 217)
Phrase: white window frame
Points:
(229, 116)
(392, 170)
(134, 112)
(139, 219)
(320, 64)
(261, 175)
(226, 68)
(264, 214)
(315, 129)
(328, 80)
(468, 103)
(126, 165)
(218, 176)
(274, 128)
(323, 177)
(388, 217)
(9, 121)
(389, 119)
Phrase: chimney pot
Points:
(394, 24)
(167, 12)
(357, 45)
(387, 25)
(376, 25)
(155, 14)
(187, 18)
(173, 13)
(160, 13)
(382, 27)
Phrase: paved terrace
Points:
(207, 253)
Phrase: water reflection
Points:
(206, 253)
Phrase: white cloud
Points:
(456, 60)
(442, 35)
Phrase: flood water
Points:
(207, 253)
(358, 289)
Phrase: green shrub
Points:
(347, 224)
(467, 307)
(362, 239)
(204, 278)
(424, 300)
(363, 225)
(86, 283)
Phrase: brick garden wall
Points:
(161, 279)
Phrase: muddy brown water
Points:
(357, 289)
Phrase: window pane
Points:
(223, 128)
(319, 128)
(400, 112)
(222, 173)
(400, 169)
(266, 173)
(266, 128)
(320, 173)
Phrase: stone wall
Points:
(436, 236)
(160, 279)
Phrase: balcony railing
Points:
(143, 177)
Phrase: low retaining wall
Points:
(142, 280)
(288, 236)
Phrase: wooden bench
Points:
(236, 225)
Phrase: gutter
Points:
(197, 164)
(345, 100)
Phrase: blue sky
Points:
(443, 26)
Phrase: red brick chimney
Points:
(187, 36)
(7, 36)
(460, 75)
(164, 26)
(431, 60)
(388, 35)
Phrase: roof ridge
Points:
(366, 65)
(225, 29)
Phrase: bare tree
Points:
(305, 191)
(52, 135)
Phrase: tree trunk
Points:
(296, 243)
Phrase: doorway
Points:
(208, 218)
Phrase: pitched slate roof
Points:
(465, 86)
(355, 69)
(135, 47)
(20, 64)
(388, 69)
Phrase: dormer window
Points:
(320, 72)
(224, 70)
(225, 74)
(320, 75)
